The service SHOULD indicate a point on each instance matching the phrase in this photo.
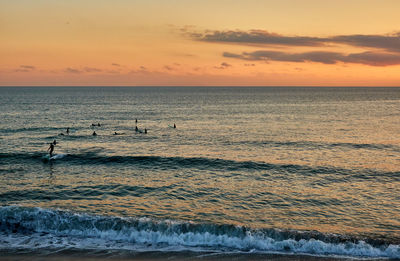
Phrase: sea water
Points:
(288, 170)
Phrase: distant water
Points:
(312, 171)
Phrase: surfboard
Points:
(58, 156)
(54, 157)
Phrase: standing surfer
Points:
(51, 149)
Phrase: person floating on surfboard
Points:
(94, 133)
(51, 149)
(68, 131)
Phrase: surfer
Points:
(145, 131)
(51, 149)
(68, 131)
(54, 142)
(174, 126)
(136, 129)
(98, 124)
(136, 121)
(94, 133)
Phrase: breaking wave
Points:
(24, 227)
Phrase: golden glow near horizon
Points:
(310, 42)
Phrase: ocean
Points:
(248, 171)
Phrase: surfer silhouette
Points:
(94, 133)
(145, 130)
(136, 128)
(54, 142)
(51, 149)
(67, 131)
(174, 126)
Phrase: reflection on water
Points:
(304, 159)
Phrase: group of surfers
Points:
(52, 144)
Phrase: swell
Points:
(93, 158)
(45, 228)
(61, 192)
(29, 129)
(319, 145)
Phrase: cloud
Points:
(169, 68)
(390, 42)
(25, 68)
(72, 70)
(91, 69)
(257, 37)
(84, 70)
(29, 67)
(374, 59)
(223, 65)
(387, 42)
(366, 58)
(142, 69)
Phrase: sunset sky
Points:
(205, 42)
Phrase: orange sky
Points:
(179, 42)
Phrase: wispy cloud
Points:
(256, 37)
(169, 68)
(387, 42)
(223, 65)
(379, 50)
(92, 69)
(30, 67)
(390, 42)
(25, 68)
(366, 58)
(72, 70)
(83, 70)
(142, 70)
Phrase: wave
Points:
(93, 158)
(47, 228)
(30, 129)
(319, 145)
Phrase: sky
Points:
(199, 43)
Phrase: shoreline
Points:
(84, 255)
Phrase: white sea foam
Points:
(33, 228)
